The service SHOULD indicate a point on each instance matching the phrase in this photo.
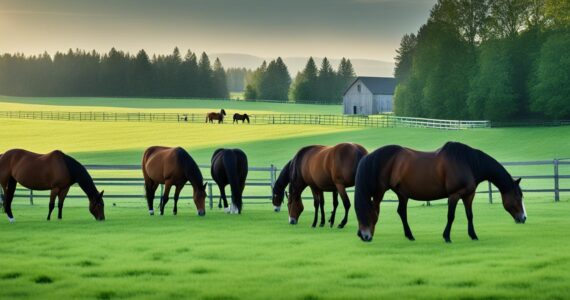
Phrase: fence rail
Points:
(271, 176)
(386, 120)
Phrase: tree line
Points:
(487, 59)
(312, 84)
(113, 74)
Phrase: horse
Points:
(229, 166)
(55, 171)
(453, 172)
(242, 118)
(211, 116)
(322, 168)
(172, 167)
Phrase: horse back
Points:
(35, 171)
(161, 164)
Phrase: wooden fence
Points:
(387, 120)
(266, 177)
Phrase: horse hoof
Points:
(151, 212)
(340, 226)
(411, 238)
(448, 241)
(12, 220)
(474, 238)
(322, 225)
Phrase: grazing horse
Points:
(55, 171)
(452, 172)
(172, 167)
(210, 117)
(242, 118)
(322, 168)
(229, 166)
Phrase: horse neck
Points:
(282, 180)
(193, 173)
(80, 175)
(495, 173)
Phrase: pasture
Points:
(257, 254)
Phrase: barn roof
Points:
(377, 85)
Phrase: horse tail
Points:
(246, 118)
(230, 165)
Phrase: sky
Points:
(369, 29)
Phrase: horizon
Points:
(355, 29)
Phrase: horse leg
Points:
(164, 198)
(150, 189)
(335, 205)
(60, 198)
(51, 204)
(468, 202)
(403, 212)
(9, 191)
(224, 198)
(452, 204)
(177, 191)
(316, 203)
(345, 202)
(322, 204)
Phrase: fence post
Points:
(31, 197)
(490, 192)
(210, 195)
(556, 181)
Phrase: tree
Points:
(189, 75)
(304, 89)
(141, 75)
(508, 18)
(405, 56)
(551, 93)
(326, 80)
(219, 85)
(274, 82)
(205, 85)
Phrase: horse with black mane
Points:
(172, 167)
(322, 168)
(453, 172)
(242, 118)
(211, 116)
(229, 166)
(55, 171)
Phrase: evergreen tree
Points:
(205, 84)
(304, 89)
(326, 81)
(404, 58)
(219, 84)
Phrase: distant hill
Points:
(362, 67)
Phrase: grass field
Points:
(257, 254)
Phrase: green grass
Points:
(257, 254)
(183, 105)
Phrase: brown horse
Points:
(55, 171)
(452, 172)
(322, 168)
(210, 117)
(242, 118)
(172, 167)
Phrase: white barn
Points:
(369, 95)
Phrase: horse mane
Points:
(295, 167)
(283, 179)
(80, 175)
(191, 169)
(482, 165)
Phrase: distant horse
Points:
(210, 117)
(242, 118)
(172, 167)
(452, 172)
(322, 168)
(229, 166)
(55, 171)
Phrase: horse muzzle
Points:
(201, 213)
(364, 235)
(520, 219)
(276, 208)
(292, 221)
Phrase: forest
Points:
(487, 59)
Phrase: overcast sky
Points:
(267, 28)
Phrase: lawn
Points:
(257, 254)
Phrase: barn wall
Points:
(362, 100)
(383, 103)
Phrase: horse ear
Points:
(205, 184)
(101, 194)
(518, 181)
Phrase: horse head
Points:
(223, 112)
(97, 206)
(200, 199)
(513, 202)
(295, 206)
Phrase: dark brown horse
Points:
(55, 171)
(210, 117)
(229, 166)
(322, 168)
(452, 172)
(242, 118)
(172, 167)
